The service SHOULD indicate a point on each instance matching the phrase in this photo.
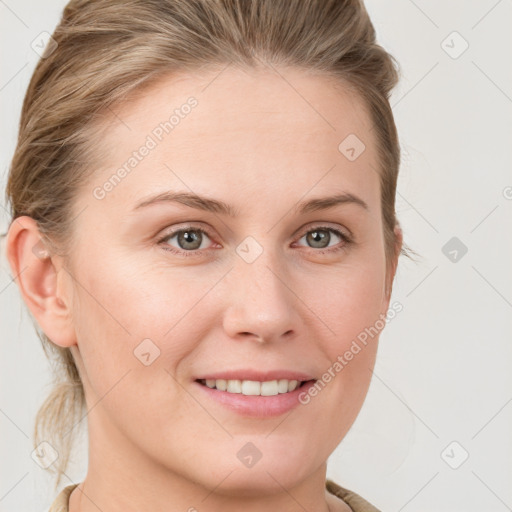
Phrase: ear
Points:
(43, 284)
(392, 266)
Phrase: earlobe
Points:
(36, 272)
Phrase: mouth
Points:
(254, 398)
(253, 392)
(254, 387)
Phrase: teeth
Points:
(253, 387)
(234, 386)
(220, 384)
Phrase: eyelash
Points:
(347, 239)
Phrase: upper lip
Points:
(257, 375)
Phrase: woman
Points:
(203, 225)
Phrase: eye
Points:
(189, 239)
(320, 237)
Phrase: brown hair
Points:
(106, 49)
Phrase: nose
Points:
(260, 302)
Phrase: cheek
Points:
(121, 320)
(349, 304)
(350, 309)
(127, 316)
(144, 402)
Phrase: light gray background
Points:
(443, 371)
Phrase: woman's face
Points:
(249, 282)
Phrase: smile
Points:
(253, 387)
(252, 398)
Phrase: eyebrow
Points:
(217, 206)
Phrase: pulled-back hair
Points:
(103, 50)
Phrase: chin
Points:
(249, 471)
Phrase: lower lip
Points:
(257, 406)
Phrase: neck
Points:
(121, 478)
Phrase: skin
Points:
(155, 442)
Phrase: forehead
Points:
(274, 128)
(244, 101)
